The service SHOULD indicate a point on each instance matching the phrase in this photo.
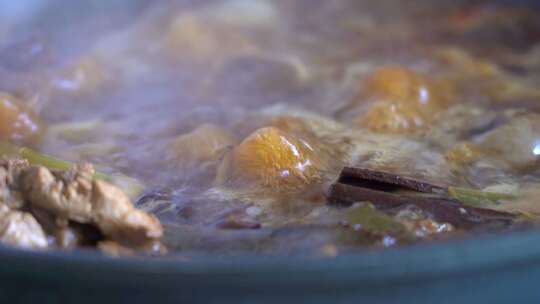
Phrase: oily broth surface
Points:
(149, 72)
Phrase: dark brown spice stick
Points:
(386, 181)
(442, 209)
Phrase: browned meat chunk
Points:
(67, 194)
(18, 122)
(64, 233)
(9, 172)
(74, 194)
(118, 219)
(70, 208)
(21, 229)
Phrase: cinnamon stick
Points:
(386, 181)
(378, 188)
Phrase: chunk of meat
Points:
(404, 100)
(71, 207)
(467, 64)
(9, 174)
(400, 84)
(67, 238)
(118, 219)
(485, 78)
(66, 234)
(18, 123)
(66, 194)
(295, 126)
(74, 194)
(276, 161)
(21, 229)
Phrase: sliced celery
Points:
(131, 186)
(367, 218)
(477, 198)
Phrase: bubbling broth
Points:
(224, 127)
